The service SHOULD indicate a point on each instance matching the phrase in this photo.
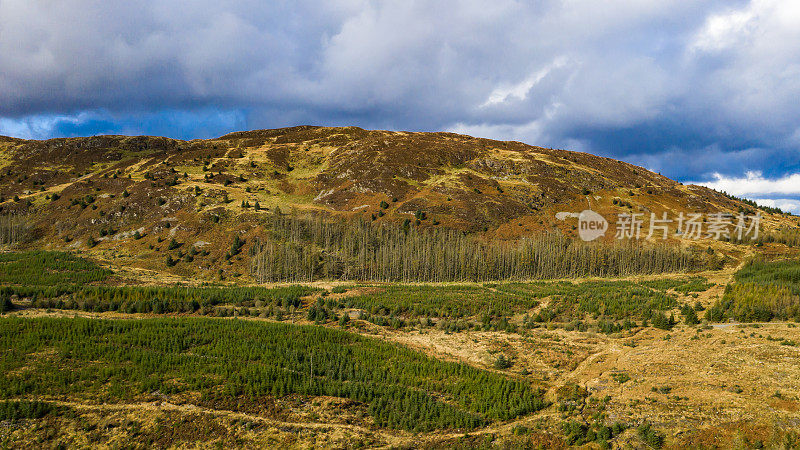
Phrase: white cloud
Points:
(764, 191)
(520, 90)
(754, 184)
(786, 205)
(529, 132)
(724, 30)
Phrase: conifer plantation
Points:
(126, 360)
(763, 291)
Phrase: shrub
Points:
(6, 305)
(690, 316)
(620, 377)
(502, 362)
(650, 436)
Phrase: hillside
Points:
(124, 198)
(342, 288)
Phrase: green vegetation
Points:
(6, 305)
(762, 291)
(577, 433)
(681, 285)
(308, 248)
(611, 300)
(40, 268)
(150, 299)
(690, 315)
(753, 206)
(60, 280)
(440, 301)
(236, 247)
(613, 304)
(786, 273)
(502, 362)
(617, 300)
(125, 360)
(23, 409)
(620, 377)
(650, 436)
(587, 417)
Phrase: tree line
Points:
(154, 299)
(303, 249)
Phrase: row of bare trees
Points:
(13, 228)
(305, 249)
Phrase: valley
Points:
(344, 288)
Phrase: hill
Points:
(437, 301)
(123, 198)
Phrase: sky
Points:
(701, 91)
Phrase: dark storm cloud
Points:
(685, 87)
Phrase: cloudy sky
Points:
(699, 90)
